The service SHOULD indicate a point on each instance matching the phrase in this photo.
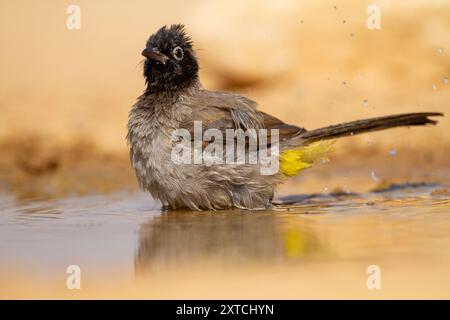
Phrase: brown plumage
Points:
(372, 124)
(174, 99)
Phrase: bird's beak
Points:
(153, 55)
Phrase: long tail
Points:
(367, 125)
(310, 146)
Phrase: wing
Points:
(220, 110)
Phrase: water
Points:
(309, 246)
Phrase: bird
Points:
(174, 99)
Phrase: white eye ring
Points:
(178, 53)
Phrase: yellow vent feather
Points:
(295, 160)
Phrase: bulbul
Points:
(174, 99)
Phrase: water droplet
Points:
(434, 86)
(445, 80)
(374, 177)
(325, 189)
(440, 50)
(392, 152)
(365, 102)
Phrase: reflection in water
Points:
(307, 241)
(333, 227)
(176, 238)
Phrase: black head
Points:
(171, 64)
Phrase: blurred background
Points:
(68, 194)
(65, 94)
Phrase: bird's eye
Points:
(178, 53)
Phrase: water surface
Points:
(312, 246)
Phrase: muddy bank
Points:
(34, 167)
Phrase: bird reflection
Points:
(230, 237)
